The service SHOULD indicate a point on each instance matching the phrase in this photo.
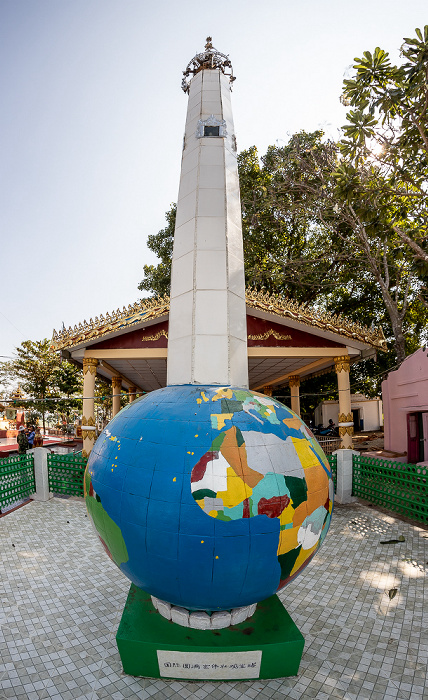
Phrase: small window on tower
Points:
(211, 130)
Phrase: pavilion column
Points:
(88, 419)
(294, 384)
(346, 423)
(267, 390)
(116, 383)
(132, 394)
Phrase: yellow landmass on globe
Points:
(237, 490)
(218, 419)
(222, 394)
(304, 554)
(306, 455)
(287, 540)
(293, 423)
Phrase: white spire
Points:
(207, 322)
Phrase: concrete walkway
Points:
(362, 607)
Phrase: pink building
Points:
(405, 406)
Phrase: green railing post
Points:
(66, 473)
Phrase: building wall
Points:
(370, 411)
(405, 391)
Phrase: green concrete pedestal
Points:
(268, 645)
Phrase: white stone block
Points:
(190, 130)
(210, 154)
(238, 362)
(155, 601)
(190, 159)
(184, 239)
(193, 104)
(211, 92)
(234, 211)
(193, 111)
(211, 269)
(179, 366)
(41, 475)
(186, 208)
(211, 76)
(220, 620)
(211, 232)
(237, 316)
(230, 161)
(234, 238)
(252, 609)
(236, 276)
(239, 615)
(210, 312)
(211, 202)
(199, 620)
(211, 176)
(180, 616)
(210, 107)
(163, 609)
(344, 475)
(181, 315)
(196, 82)
(232, 184)
(182, 274)
(188, 183)
(211, 360)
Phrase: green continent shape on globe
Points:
(110, 534)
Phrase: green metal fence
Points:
(16, 479)
(66, 473)
(394, 485)
(332, 460)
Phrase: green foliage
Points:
(157, 278)
(43, 378)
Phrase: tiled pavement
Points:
(61, 600)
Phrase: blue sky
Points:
(92, 117)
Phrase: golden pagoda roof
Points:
(302, 313)
(150, 309)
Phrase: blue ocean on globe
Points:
(209, 497)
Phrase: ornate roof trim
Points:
(142, 310)
(335, 323)
(149, 309)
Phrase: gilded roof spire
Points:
(210, 59)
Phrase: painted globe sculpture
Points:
(209, 498)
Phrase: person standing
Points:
(22, 441)
(38, 439)
(30, 437)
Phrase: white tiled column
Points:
(207, 341)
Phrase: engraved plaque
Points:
(209, 666)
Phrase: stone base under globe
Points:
(267, 646)
(201, 620)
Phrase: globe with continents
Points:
(209, 498)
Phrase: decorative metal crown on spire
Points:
(210, 59)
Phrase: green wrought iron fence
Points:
(66, 473)
(16, 479)
(394, 485)
(332, 460)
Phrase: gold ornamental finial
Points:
(210, 59)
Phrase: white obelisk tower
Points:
(207, 341)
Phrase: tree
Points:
(68, 381)
(157, 278)
(35, 367)
(387, 135)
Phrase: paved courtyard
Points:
(361, 605)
